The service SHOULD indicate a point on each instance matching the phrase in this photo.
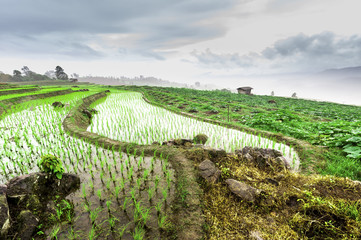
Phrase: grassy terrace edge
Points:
(23, 90)
(187, 218)
(7, 103)
(307, 153)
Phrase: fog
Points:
(344, 90)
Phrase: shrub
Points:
(200, 138)
(52, 165)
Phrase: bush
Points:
(52, 165)
(200, 138)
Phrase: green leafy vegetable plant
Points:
(52, 165)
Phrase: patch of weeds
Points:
(182, 191)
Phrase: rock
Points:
(272, 101)
(209, 171)
(182, 141)
(216, 153)
(200, 138)
(41, 184)
(282, 161)
(244, 150)
(255, 235)
(107, 90)
(26, 225)
(87, 113)
(168, 143)
(57, 104)
(28, 197)
(4, 213)
(243, 190)
(188, 144)
(264, 158)
(248, 157)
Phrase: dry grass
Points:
(294, 206)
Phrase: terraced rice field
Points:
(121, 195)
(127, 117)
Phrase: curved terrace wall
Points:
(189, 219)
(304, 150)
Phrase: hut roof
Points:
(244, 88)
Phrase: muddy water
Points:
(120, 207)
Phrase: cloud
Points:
(228, 60)
(150, 26)
(50, 45)
(296, 53)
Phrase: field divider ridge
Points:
(187, 215)
(305, 151)
(4, 104)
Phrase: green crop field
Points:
(334, 128)
(136, 154)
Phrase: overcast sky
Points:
(180, 40)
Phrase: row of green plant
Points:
(331, 125)
(127, 117)
(44, 90)
(122, 195)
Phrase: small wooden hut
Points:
(244, 90)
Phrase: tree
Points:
(16, 73)
(5, 77)
(26, 71)
(272, 93)
(60, 74)
(294, 95)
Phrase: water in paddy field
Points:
(126, 197)
(127, 117)
(120, 194)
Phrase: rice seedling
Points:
(54, 232)
(162, 221)
(151, 193)
(125, 203)
(158, 207)
(93, 215)
(161, 125)
(84, 191)
(108, 204)
(165, 194)
(138, 233)
(99, 194)
(122, 230)
(112, 222)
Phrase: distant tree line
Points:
(26, 75)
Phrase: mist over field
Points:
(321, 87)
